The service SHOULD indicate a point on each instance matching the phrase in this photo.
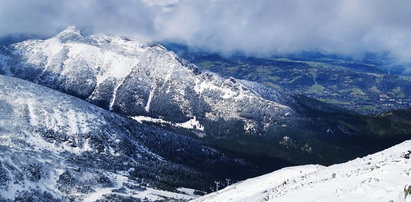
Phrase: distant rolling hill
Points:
(367, 86)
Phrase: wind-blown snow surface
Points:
(136, 79)
(384, 176)
(57, 147)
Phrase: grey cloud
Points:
(48, 17)
(263, 27)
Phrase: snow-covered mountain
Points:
(140, 80)
(384, 176)
(57, 147)
(147, 83)
(84, 152)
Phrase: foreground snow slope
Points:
(383, 176)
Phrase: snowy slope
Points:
(137, 79)
(57, 147)
(383, 176)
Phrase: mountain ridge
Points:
(110, 65)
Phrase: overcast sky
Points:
(257, 27)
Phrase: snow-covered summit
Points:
(384, 176)
(139, 79)
(70, 30)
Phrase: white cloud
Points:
(350, 27)
(160, 2)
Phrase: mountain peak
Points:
(72, 29)
(69, 33)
